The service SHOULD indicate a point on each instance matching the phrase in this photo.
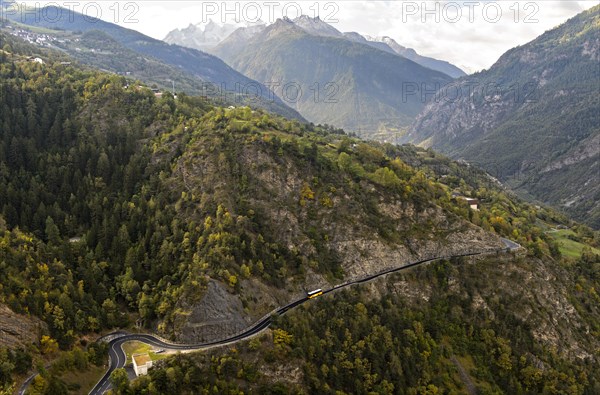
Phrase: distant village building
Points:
(472, 202)
(141, 364)
(157, 92)
(36, 60)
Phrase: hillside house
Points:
(35, 60)
(472, 202)
(141, 364)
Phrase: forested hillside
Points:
(110, 47)
(192, 220)
(454, 327)
(497, 325)
(94, 181)
(532, 119)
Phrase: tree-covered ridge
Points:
(452, 334)
(69, 165)
(78, 173)
(101, 47)
(276, 200)
(117, 206)
(232, 176)
(187, 64)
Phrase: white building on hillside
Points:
(141, 364)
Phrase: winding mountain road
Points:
(118, 359)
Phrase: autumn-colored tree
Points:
(48, 345)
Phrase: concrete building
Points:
(141, 364)
(473, 203)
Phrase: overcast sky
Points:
(470, 34)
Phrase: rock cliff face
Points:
(218, 314)
(314, 212)
(17, 330)
(363, 256)
(201, 37)
(531, 120)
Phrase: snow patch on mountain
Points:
(207, 37)
(316, 26)
(202, 36)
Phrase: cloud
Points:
(473, 35)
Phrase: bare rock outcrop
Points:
(18, 330)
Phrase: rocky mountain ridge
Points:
(334, 80)
(230, 42)
(200, 36)
(537, 130)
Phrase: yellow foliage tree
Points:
(306, 194)
(48, 345)
(282, 338)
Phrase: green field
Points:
(135, 347)
(569, 248)
(40, 30)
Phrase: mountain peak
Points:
(354, 36)
(389, 41)
(304, 17)
(200, 36)
(282, 23)
(208, 37)
(316, 26)
(281, 26)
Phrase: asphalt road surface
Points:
(117, 357)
